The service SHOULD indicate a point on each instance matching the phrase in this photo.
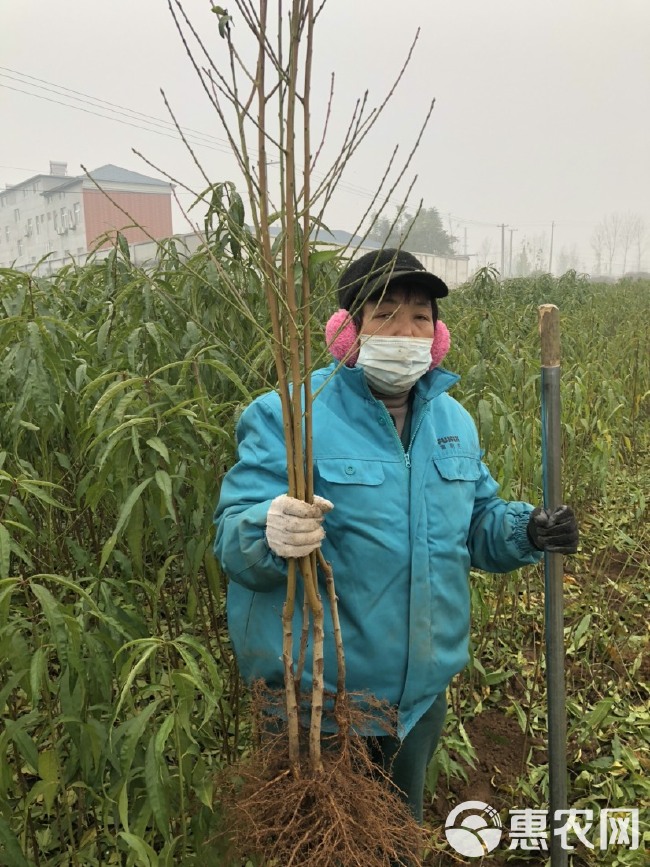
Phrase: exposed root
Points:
(347, 815)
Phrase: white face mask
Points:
(394, 364)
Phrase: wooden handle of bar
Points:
(549, 332)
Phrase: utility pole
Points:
(510, 262)
(550, 255)
(452, 239)
(465, 244)
(503, 248)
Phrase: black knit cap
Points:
(372, 272)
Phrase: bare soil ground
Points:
(500, 747)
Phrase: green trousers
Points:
(406, 761)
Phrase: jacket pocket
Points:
(462, 468)
(347, 471)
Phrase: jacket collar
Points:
(435, 382)
(430, 385)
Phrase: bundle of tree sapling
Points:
(304, 797)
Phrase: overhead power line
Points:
(166, 134)
(126, 116)
(104, 104)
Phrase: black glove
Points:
(555, 531)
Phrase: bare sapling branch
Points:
(338, 635)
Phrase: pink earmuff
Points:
(341, 336)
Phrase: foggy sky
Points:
(542, 109)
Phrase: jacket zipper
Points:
(406, 453)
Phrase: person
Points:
(404, 508)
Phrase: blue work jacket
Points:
(406, 527)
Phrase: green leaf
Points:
(123, 806)
(123, 245)
(495, 677)
(161, 736)
(9, 684)
(48, 770)
(5, 551)
(164, 482)
(156, 791)
(80, 375)
(113, 390)
(135, 535)
(194, 675)
(55, 618)
(12, 855)
(107, 550)
(48, 766)
(236, 210)
(102, 336)
(229, 374)
(317, 258)
(485, 422)
(582, 628)
(126, 509)
(145, 856)
(35, 488)
(598, 715)
(135, 439)
(37, 673)
(7, 588)
(203, 782)
(153, 646)
(207, 657)
(521, 716)
(478, 665)
(157, 444)
(131, 731)
(24, 743)
(152, 331)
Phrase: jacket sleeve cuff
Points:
(520, 537)
(255, 566)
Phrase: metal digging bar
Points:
(549, 329)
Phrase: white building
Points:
(53, 219)
(64, 217)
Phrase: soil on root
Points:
(346, 814)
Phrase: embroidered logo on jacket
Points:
(450, 441)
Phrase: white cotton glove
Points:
(293, 527)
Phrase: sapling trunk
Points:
(291, 700)
(318, 665)
(318, 657)
(302, 650)
(268, 270)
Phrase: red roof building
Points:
(65, 217)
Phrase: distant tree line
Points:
(620, 237)
(422, 232)
(619, 243)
